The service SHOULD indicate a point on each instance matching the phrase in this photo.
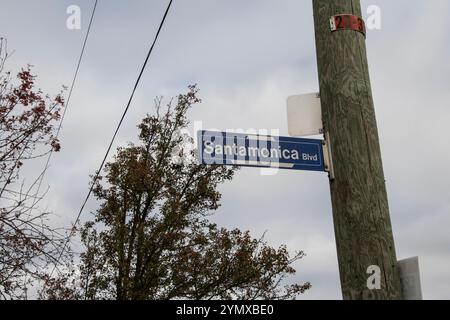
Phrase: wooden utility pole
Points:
(360, 207)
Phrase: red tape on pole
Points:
(348, 22)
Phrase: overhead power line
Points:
(47, 164)
(118, 126)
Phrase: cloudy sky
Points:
(247, 58)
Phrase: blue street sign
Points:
(222, 148)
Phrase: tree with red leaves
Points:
(28, 120)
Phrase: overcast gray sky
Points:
(247, 58)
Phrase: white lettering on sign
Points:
(255, 152)
(308, 157)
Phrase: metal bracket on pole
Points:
(328, 158)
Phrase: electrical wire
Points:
(118, 127)
(47, 164)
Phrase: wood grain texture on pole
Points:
(362, 224)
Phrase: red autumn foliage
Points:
(28, 126)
